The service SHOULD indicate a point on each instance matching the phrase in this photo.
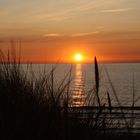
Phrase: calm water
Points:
(125, 78)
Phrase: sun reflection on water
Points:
(78, 96)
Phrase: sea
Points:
(121, 81)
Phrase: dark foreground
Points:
(33, 108)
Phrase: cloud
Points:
(84, 34)
(66, 12)
(121, 10)
(71, 35)
(75, 9)
(53, 35)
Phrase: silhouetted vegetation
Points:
(35, 108)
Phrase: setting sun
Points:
(78, 57)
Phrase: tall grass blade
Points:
(133, 82)
(116, 97)
(133, 101)
(97, 81)
(109, 102)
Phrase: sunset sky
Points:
(56, 30)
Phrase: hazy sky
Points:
(56, 29)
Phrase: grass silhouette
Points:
(34, 108)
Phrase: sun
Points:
(78, 57)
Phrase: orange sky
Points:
(54, 31)
(112, 47)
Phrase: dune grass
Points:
(34, 108)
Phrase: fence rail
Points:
(115, 117)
